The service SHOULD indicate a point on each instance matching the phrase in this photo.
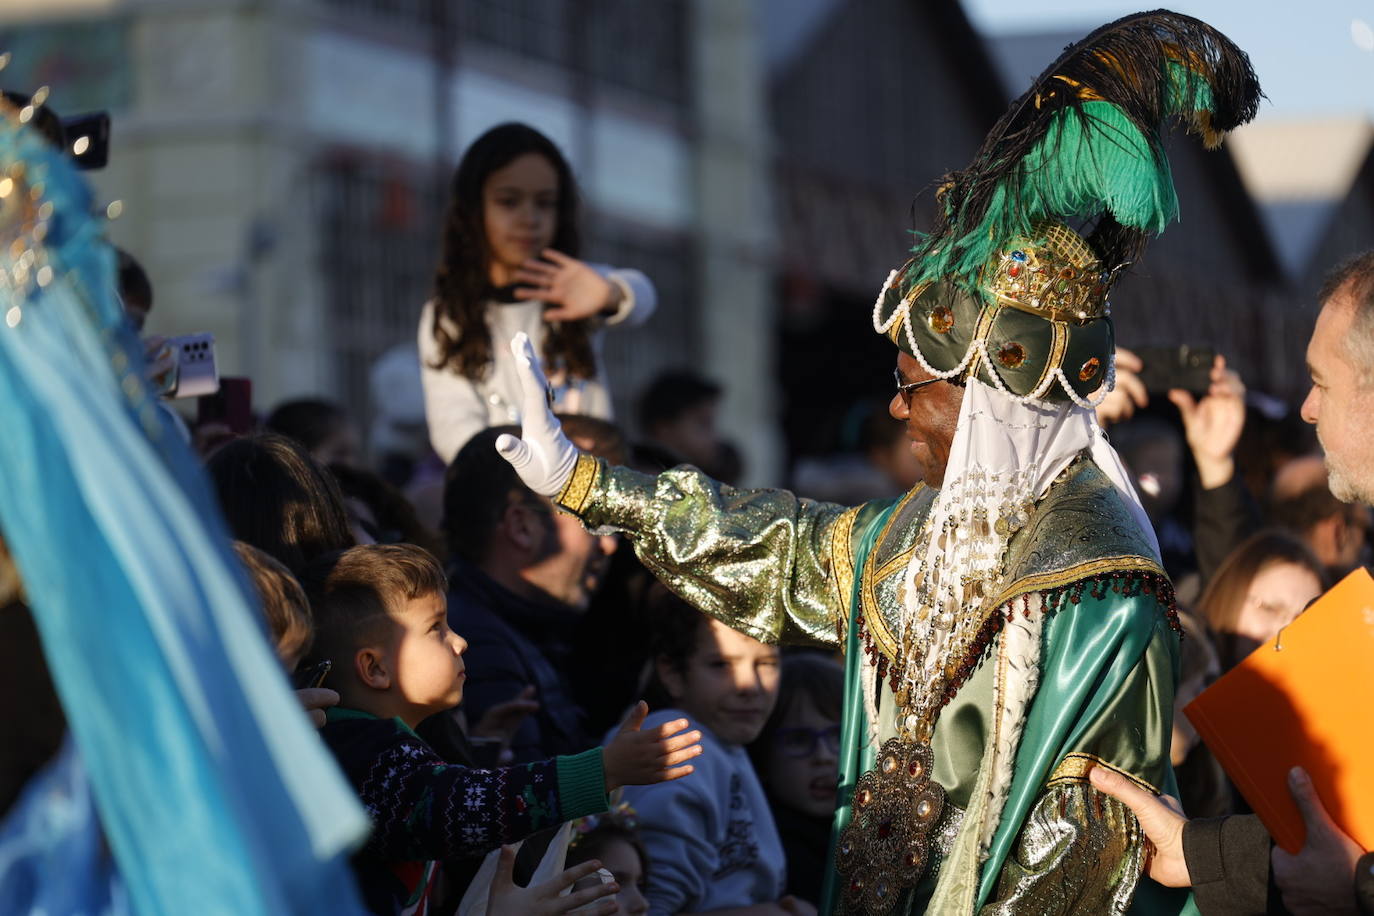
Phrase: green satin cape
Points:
(1103, 661)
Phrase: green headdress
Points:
(1003, 288)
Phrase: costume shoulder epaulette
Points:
(1081, 530)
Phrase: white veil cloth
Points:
(1006, 454)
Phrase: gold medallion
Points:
(885, 848)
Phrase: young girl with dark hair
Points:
(509, 264)
(613, 840)
(797, 759)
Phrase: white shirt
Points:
(457, 408)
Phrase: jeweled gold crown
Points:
(1058, 278)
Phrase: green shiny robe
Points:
(793, 571)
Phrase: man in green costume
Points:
(1007, 624)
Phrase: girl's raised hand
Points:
(572, 289)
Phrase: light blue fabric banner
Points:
(213, 790)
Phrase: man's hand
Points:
(502, 721)
(1162, 819)
(575, 290)
(1213, 425)
(542, 456)
(507, 898)
(316, 700)
(639, 758)
(1129, 393)
(1321, 877)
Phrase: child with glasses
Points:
(797, 760)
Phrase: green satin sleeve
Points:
(764, 562)
(1079, 851)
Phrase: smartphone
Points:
(595, 879)
(231, 405)
(1185, 366)
(312, 675)
(195, 374)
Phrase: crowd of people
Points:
(532, 687)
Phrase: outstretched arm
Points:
(762, 561)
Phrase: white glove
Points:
(542, 456)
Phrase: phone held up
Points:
(1184, 366)
(312, 675)
(231, 406)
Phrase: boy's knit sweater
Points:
(424, 809)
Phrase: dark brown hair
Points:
(807, 675)
(676, 630)
(461, 278)
(395, 516)
(277, 498)
(609, 828)
(477, 490)
(283, 601)
(310, 421)
(355, 594)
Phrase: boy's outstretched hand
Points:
(640, 758)
(507, 898)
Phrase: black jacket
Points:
(512, 643)
(1228, 861)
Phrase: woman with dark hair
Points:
(278, 499)
(1261, 587)
(508, 264)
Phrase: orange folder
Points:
(1305, 698)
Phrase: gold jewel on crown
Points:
(1058, 278)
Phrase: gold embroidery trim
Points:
(1059, 578)
(1075, 766)
(1059, 342)
(868, 600)
(577, 492)
(842, 567)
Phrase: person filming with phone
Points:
(1210, 399)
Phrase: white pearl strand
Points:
(979, 347)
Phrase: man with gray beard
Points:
(1340, 360)
(1231, 862)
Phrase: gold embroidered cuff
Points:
(1075, 766)
(577, 492)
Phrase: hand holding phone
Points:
(312, 675)
(1185, 367)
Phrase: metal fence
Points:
(378, 230)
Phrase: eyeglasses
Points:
(905, 388)
(801, 742)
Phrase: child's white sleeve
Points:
(454, 410)
(638, 296)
